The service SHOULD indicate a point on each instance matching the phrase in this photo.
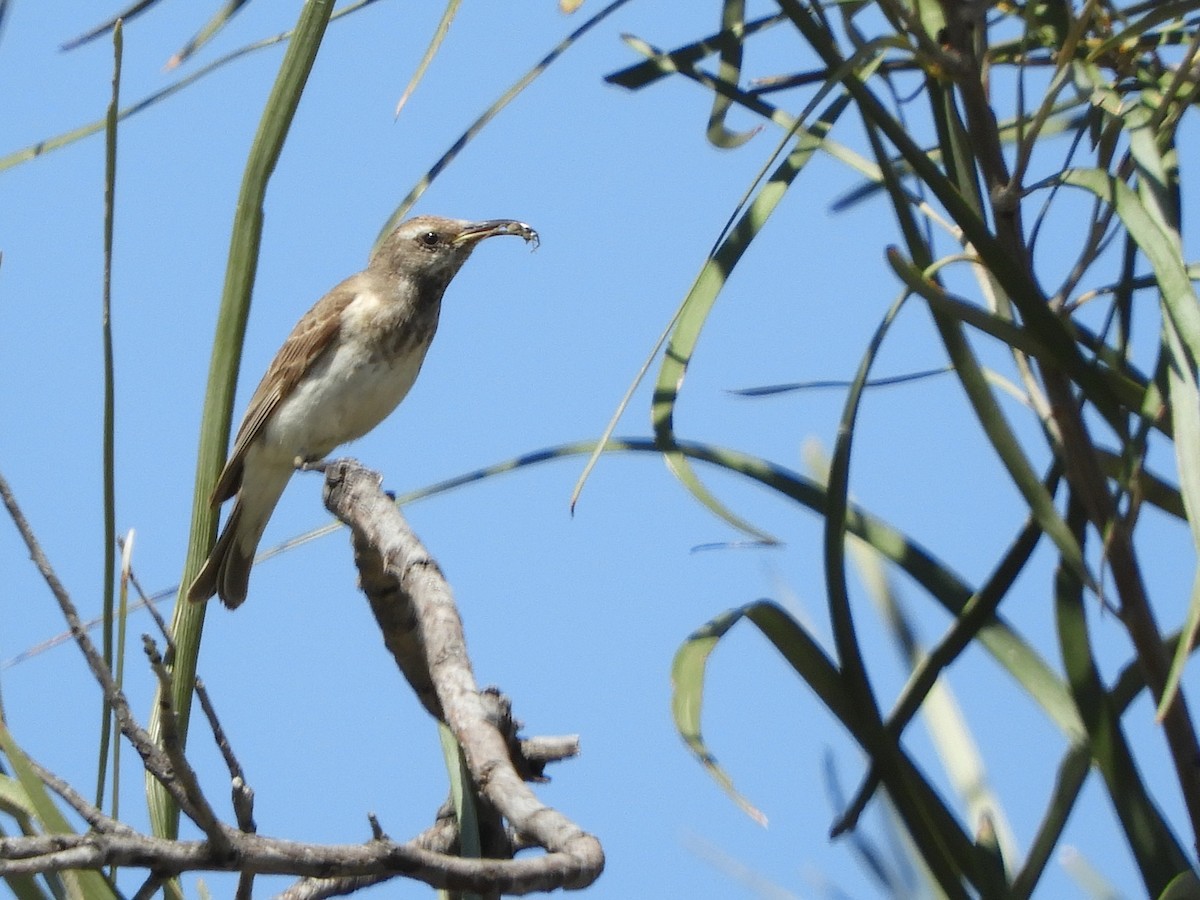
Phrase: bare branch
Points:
(415, 608)
(199, 810)
(155, 761)
(272, 856)
(243, 794)
(90, 814)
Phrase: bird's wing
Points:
(312, 335)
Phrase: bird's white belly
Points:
(340, 399)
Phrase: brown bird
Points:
(347, 364)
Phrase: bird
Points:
(346, 365)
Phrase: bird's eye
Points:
(431, 239)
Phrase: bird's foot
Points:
(310, 465)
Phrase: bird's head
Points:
(433, 249)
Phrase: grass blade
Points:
(439, 35)
(698, 303)
(188, 620)
(491, 112)
(57, 142)
(996, 427)
(1181, 335)
(1158, 854)
(125, 15)
(108, 427)
(87, 883)
(219, 20)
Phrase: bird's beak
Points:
(477, 231)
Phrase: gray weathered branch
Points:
(415, 609)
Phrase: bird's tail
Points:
(226, 572)
(211, 577)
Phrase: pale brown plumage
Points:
(308, 340)
(346, 365)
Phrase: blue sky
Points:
(575, 617)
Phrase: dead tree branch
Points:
(415, 608)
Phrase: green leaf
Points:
(1121, 383)
(490, 113)
(1184, 886)
(733, 20)
(85, 883)
(462, 796)
(47, 145)
(687, 697)
(125, 15)
(925, 689)
(1073, 771)
(1181, 330)
(1155, 14)
(218, 21)
(694, 311)
(999, 639)
(994, 423)
(435, 43)
(646, 73)
(1011, 274)
(187, 623)
(14, 800)
(805, 655)
(108, 429)
(27, 887)
(1156, 850)
(937, 845)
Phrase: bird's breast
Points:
(390, 326)
(356, 383)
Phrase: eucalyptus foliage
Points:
(981, 121)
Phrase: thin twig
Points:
(153, 758)
(200, 811)
(243, 794)
(87, 810)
